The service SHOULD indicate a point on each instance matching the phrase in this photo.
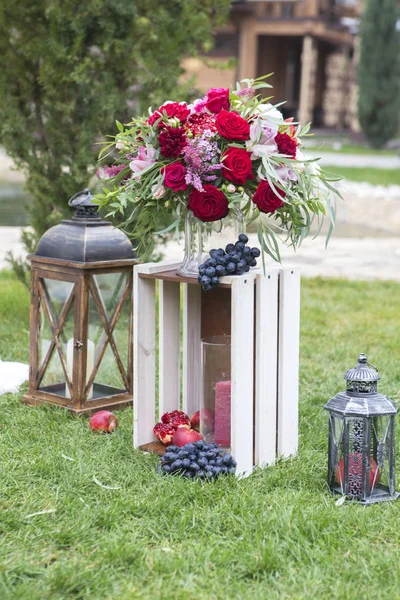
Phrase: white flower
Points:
(262, 138)
(157, 191)
(285, 173)
(120, 145)
(230, 188)
(267, 111)
(145, 158)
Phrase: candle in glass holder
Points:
(223, 413)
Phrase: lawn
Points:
(367, 174)
(316, 144)
(276, 535)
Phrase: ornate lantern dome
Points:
(85, 238)
(361, 397)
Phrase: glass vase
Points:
(215, 404)
(201, 237)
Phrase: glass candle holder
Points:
(215, 406)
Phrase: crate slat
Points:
(144, 381)
(169, 346)
(191, 348)
(242, 373)
(288, 367)
(266, 354)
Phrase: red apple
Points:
(103, 421)
(208, 417)
(185, 436)
(355, 470)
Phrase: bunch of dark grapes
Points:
(236, 259)
(197, 460)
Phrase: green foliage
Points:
(70, 68)
(379, 72)
(276, 535)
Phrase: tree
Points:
(378, 72)
(70, 68)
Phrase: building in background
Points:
(309, 45)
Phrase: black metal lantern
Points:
(361, 438)
(81, 313)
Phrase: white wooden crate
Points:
(265, 315)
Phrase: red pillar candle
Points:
(223, 413)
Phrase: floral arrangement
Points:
(228, 151)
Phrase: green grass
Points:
(369, 175)
(276, 535)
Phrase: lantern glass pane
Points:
(58, 292)
(111, 287)
(58, 303)
(336, 459)
(108, 375)
(380, 449)
(107, 310)
(121, 332)
(53, 380)
(45, 335)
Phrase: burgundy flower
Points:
(198, 123)
(236, 165)
(172, 109)
(232, 126)
(172, 141)
(209, 205)
(217, 99)
(286, 144)
(174, 176)
(266, 199)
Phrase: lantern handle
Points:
(82, 198)
(362, 359)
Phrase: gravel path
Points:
(336, 159)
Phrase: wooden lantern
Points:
(261, 315)
(81, 315)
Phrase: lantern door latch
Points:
(78, 345)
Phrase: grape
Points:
(236, 259)
(200, 461)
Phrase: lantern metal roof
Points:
(362, 372)
(86, 238)
(361, 398)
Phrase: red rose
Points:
(236, 165)
(266, 199)
(217, 99)
(209, 205)
(232, 126)
(173, 109)
(172, 141)
(174, 176)
(286, 144)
